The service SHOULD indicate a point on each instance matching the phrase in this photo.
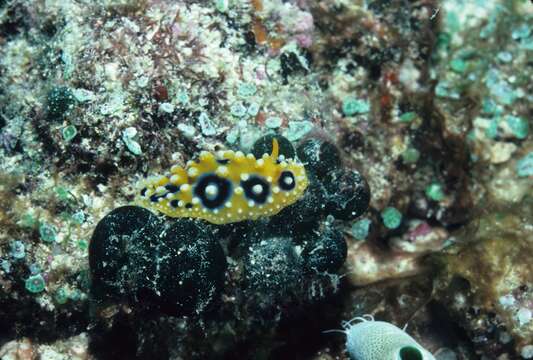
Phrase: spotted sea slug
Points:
(367, 339)
(226, 187)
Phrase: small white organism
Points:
(367, 339)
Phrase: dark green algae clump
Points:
(178, 267)
(59, 101)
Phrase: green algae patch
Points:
(391, 217)
(35, 284)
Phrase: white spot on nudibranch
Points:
(257, 189)
(211, 191)
(222, 171)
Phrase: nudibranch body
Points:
(226, 187)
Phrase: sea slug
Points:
(226, 187)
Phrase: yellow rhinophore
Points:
(226, 187)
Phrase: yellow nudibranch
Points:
(226, 187)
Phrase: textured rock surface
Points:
(429, 101)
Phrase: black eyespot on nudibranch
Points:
(223, 161)
(143, 192)
(172, 188)
(154, 198)
(188, 206)
(256, 189)
(213, 191)
(174, 203)
(286, 181)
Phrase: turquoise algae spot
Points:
(352, 106)
(18, 250)
(34, 269)
(298, 129)
(78, 217)
(222, 5)
(206, 125)
(434, 192)
(48, 232)
(132, 145)
(246, 90)
(505, 56)
(408, 116)
(253, 109)
(61, 295)
(63, 194)
(489, 106)
(492, 130)
(521, 32)
(28, 220)
(69, 132)
(82, 244)
(458, 65)
(360, 229)
(6, 266)
(35, 284)
(411, 155)
(238, 109)
(182, 97)
(391, 217)
(273, 122)
(524, 166)
(75, 295)
(166, 108)
(519, 127)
